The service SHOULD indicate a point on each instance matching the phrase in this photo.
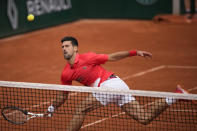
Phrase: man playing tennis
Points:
(87, 69)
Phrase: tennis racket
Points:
(19, 116)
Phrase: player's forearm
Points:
(121, 55)
(60, 99)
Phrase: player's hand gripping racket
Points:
(17, 116)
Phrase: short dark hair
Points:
(70, 38)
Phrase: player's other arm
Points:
(61, 97)
(123, 54)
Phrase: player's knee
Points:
(80, 110)
(144, 121)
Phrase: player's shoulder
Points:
(67, 65)
(87, 55)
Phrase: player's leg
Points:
(138, 112)
(85, 106)
(131, 107)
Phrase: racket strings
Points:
(15, 116)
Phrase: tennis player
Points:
(86, 69)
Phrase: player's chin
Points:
(67, 57)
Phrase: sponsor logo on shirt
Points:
(85, 67)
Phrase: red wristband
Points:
(132, 53)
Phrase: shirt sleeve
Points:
(63, 82)
(98, 58)
(66, 83)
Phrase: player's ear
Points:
(76, 48)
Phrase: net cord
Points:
(96, 90)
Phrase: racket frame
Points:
(29, 115)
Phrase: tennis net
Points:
(37, 97)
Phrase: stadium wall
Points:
(53, 12)
(47, 13)
(135, 9)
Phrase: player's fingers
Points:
(144, 54)
(148, 55)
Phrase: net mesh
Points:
(36, 98)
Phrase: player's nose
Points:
(64, 49)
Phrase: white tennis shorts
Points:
(113, 84)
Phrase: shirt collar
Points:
(76, 61)
(76, 58)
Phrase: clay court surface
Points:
(37, 56)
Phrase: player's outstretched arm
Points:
(123, 54)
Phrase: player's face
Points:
(68, 49)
